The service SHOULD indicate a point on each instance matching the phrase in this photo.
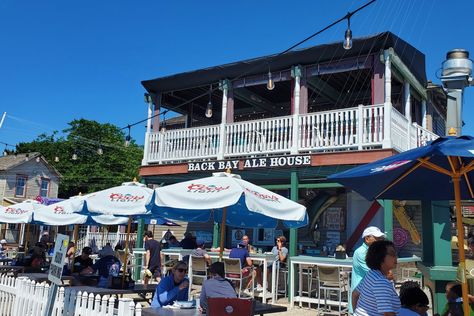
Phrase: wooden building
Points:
(329, 109)
(23, 177)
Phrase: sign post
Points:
(56, 269)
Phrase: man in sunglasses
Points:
(173, 287)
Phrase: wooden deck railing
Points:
(357, 128)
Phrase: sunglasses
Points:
(181, 270)
(278, 240)
(422, 305)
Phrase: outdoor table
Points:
(137, 289)
(263, 258)
(326, 262)
(43, 277)
(11, 270)
(6, 261)
(260, 309)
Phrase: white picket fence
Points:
(23, 297)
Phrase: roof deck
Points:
(351, 129)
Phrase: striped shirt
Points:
(377, 295)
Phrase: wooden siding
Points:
(35, 171)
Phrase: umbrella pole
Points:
(26, 238)
(126, 250)
(460, 228)
(221, 250)
(76, 235)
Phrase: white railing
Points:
(99, 239)
(258, 137)
(355, 128)
(399, 131)
(190, 143)
(23, 297)
(423, 136)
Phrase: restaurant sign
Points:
(250, 163)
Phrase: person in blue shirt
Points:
(241, 252)
(103, 266)
(359, 266)
(173, 287)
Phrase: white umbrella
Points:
(130, 198)
(224, 190)
(247, 202)
(73, 212)
(20, 213)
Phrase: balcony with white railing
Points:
(358, 128)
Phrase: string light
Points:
(208, 112)
(347, 44)
(127, 138)
(270, 83)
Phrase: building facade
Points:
(327, 109)
(23, 177)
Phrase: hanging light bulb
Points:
(347, 44)
(208, 112)
(163, 123)
(270, 83)
(100, 151)
(128, 138)
(74, 156)
(56, 159)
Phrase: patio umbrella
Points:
(130, 198)
(441, 170)
(20, 213)
(235, 201)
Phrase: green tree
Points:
(102, 160)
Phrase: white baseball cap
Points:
(372, 231)
(3, 241)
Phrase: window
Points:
(20, 188)
(44, 188)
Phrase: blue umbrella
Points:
(440, 170)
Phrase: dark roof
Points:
(11, 161)
(413, 58)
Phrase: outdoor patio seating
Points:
(333, 280)
(197, 270)
(233, 271)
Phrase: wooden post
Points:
(76, 236)
(221, 250)
(126, 250)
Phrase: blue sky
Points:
(65, 60)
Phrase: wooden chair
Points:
(218, 306)
(197, 269)
(233, 271)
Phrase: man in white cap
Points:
(359, 266)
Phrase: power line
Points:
(347, 16)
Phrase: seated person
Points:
(246, 242)
(3, 248)
(107, 263)
(173, 287)
(241, 252)
(216, 286)
(281, 252)
(83, 261)
(34, 260)
(413, 300)
(173, 242)
(188, 242)
(201, 252)
(454, 296)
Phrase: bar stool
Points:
(310, 272)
